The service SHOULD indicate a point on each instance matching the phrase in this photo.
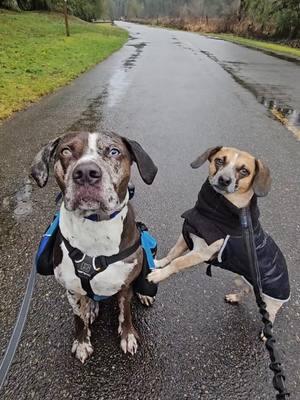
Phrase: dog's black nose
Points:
(87, 173)
(224, 181)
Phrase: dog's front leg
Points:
(83, 315)
(176, 251)
(126, 330)
(190, 259)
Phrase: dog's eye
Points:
(244, 172)
(219, 162)
(114, 152)
(66, 152)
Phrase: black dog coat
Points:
(213, 218)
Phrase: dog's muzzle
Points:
(223, 184)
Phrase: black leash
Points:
(18, 329)
(275, 365)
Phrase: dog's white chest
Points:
(94, 239)
(110, 281)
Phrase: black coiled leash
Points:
(275, 365)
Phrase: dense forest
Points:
(266, 18)
(175, 8)
(261, 18)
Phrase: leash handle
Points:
(275, 365)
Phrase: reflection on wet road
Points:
(120, 80)
(275, 96)
(177, 93)
(114, 91)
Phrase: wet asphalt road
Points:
(177, 93)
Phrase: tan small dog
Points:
(235, 180)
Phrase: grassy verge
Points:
(259, 44)
(36, 57)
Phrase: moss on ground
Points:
(260, 44)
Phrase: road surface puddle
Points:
(131, 61)
(288, 117)
(120, 80)
(91, 118)
(270, 96)
(117, 87)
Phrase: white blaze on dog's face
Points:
(231, 170)
(92, 169)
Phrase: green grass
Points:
(260, 44)
(36, 57)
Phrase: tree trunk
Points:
(241, 9)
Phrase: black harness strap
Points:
(86, 267)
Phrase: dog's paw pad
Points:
(129, 343)
(232, 298)
(82, 350)
(146, 300)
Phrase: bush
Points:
(84, 9)
(10, 5)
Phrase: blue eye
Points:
(114, 152)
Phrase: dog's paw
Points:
(146, 300)
(232, 298)
(82, 350)
(158, 275)
(129, 342)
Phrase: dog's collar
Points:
(96, 217)
(129, 196)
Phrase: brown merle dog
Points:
(93, 172)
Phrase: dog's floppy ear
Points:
(262, 180)
(205, 156)
(146, 166)
(40, 165)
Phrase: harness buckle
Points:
(103, 263)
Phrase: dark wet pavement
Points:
(177, 93)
